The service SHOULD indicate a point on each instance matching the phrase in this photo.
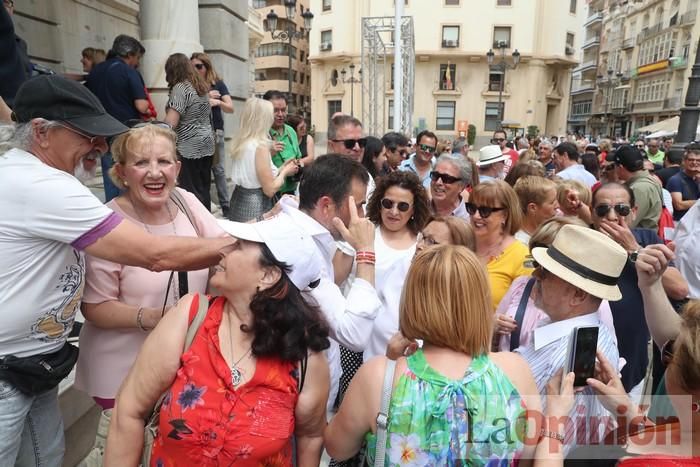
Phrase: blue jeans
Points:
(111, 190)
(220, 172)
(31, 428)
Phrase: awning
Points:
(670, 124)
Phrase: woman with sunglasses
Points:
(448, 181)
(495, 215)
(188, 112)
(121, 304)
(220, 101)
(399, 209)
(438, 231)
(612, 214)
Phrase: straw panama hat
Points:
(490, 155)
(586, 259)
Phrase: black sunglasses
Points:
(426, 148)
(388, 204)
(199, 66)
(497, 140)
(484, 211)
(446, 179)
(621, 209)
(350, 143)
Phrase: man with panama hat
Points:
(571, 283)
(491, 163)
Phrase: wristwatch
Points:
(633, 255)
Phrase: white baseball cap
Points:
(288, 244)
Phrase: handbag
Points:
(150, 431)
(515, 335)
(383, 415)
(38, 373)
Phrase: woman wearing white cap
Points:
(253, 376)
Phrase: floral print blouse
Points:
(435, 421)
(205, 422)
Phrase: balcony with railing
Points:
(581, 86)
(648, 32)
(587, 65)
(687, 18)
(629, 43)
(593, 19)
(590, 42)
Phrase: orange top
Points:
(204, 421)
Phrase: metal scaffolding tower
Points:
(377, 46)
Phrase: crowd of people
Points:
(395, 301)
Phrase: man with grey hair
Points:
(451, 175)
(461, 147)
(345, 137)
(121, 90)
(49, 220)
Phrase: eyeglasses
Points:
(426, 148)
(621, 209)
(667, 352)
(641, 146)
(446, 179)
(199, 66)
(484, 211)
(423, 238)
(137, 123)
(497, 140)
(350, 143)
(388, 204)
(91, 139)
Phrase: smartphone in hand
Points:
(581, 356)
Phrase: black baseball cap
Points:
(53, 97)
(629, 157)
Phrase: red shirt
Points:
(510, 163)
(205, 422)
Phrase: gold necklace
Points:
(236, 372)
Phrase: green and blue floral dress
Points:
(435, 421)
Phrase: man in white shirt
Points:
(331, 208)
(49, 220)
(568, 168)
(571, 283)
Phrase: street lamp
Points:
(502, 66)
(290, 33)
(352, 80)
(609, 83)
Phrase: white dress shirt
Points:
(688, 249)
(350, 319)
(546, 354)
(579, 173)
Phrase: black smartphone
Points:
(582, 351)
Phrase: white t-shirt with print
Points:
(47, 218)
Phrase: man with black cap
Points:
(48, 220)
(571, 283)
(629, 167)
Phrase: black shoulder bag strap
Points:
(181, 204)
(515, 335)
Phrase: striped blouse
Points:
(195, 137)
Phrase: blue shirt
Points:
(117, 86)
(686, 186)
(409, 166)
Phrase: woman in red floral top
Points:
(233, 397)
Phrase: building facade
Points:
(56, 31)
(273, 57)
(453, 80)
(642, 68)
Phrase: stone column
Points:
(167, 27)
